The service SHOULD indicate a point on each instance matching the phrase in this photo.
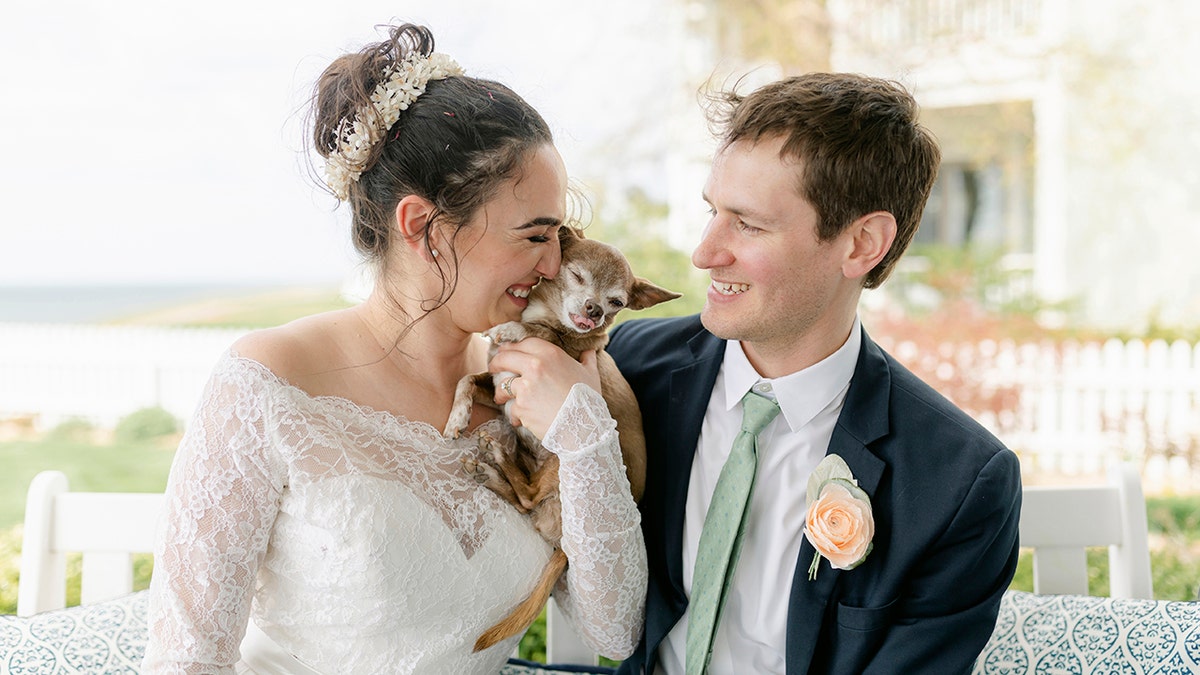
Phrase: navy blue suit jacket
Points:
(946, 497)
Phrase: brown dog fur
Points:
(573, 311)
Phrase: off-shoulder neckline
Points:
(381, 417)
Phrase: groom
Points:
(815, 192)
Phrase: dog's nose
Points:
(593, 309)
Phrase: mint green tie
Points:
(721, 536)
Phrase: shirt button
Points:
(763, 387)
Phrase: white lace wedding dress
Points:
(356, 541)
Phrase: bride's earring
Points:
(434, 251)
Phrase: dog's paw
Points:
(459, 420)
(512, 331)
(476, 470)
(492, 451)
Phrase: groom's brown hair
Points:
(858, 143)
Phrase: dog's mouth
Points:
(583, 323)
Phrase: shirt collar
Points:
(801, 395)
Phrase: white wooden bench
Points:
(1060, 523)
(1059, 627)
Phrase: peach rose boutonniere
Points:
(839, 523)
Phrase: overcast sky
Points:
(157, 142)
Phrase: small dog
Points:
(574, 311)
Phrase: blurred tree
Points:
(954, 294)
(793, 33)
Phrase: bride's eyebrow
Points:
(541, 222)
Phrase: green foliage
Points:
(1174, 524)
(74, 429)
(10, 568)
(533, 645)
(1173, 516)
(953, 285)
(88, 466)
(791, 33)
(1157, 330)
(145, 425)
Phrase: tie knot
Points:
(757, 412)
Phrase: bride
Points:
(317, 520)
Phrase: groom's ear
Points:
(870, 238)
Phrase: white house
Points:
(1070, 133)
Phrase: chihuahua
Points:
(574, 311)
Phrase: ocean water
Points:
(97, 304)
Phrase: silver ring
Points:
(507, 386)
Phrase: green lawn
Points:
(135, 467)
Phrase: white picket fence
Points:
(1070, 408)
(53, 372)
(1065, 408)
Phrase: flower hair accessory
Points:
(401, 85)
(839, 523)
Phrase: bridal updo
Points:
(454, 145)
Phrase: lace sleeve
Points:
(222, 498)
(604, 595)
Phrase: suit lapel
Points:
(691, 388)
(862, 421)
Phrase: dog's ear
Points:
(645, 294)
(567, 232)
(567, 236)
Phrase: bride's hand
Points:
(545, 375)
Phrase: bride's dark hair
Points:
(453, 146)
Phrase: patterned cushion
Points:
(106, 637)
(110, 638)
(1084, 634)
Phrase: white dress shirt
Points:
(751, 635)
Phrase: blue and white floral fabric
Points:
(107, 637)
(1082, 634)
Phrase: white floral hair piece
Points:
(399, 88)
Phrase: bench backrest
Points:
(1060, 523)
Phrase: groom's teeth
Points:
(519, 292)
(730, 289)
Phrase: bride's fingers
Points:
(545, 376)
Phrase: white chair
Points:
(1060, 523)
(109, 527)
